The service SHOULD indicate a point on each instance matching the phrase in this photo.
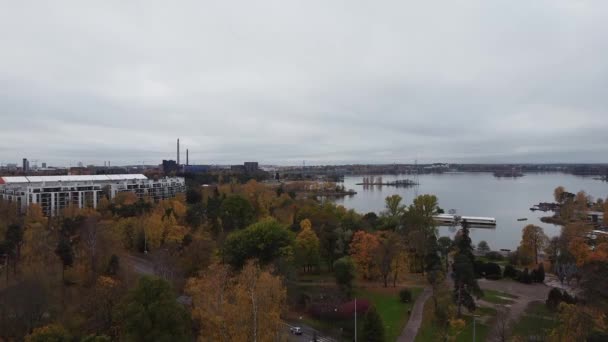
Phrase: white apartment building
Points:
(54, 193)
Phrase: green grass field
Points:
(537, 320)
(497, 297)
(391, 309)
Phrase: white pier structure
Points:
(475, 221)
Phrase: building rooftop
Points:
(75, 178)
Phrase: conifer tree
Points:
(373, 328)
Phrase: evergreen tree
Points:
(66, 254)
(465, 284)
(344, 271)
(373, 328)
(150, 312)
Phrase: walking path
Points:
(525, 293)
(413, 324)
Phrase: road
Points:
(307, 334)
(139, 264)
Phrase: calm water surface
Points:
(480, 194)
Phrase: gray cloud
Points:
(286, 81)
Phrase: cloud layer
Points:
(321, 81)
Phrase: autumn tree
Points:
(593, 283)
(577, 322)
(421, 232)
(65, 254)
(393, 213)
(362, 251)
(533, 240)
(150, 312)
(445, 245)
(102, 303)
(23, 307)
(237, 307)
(558, 194)
(49, 333)
(307, 247)
(389, 246)
(12, 244)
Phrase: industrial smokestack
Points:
(187, 159)
(177, 151)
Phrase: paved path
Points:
(526, 293)
(413, 324)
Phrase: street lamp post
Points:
(355, 319)
(474, 330)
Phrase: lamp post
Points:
(355, 319)
(474, 330)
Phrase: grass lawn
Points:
(429, 331)
(497, 297)
(537, 320)
(503, 262)
(481, 329)
(394, 313)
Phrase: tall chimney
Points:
(177, 151)
(187, 160)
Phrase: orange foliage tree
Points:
(362, 250)
(237, 307)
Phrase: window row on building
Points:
(54, 193)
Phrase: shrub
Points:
(510, 272)
(493, 277)
(557, 296)
(495, 256)
(492, 270)
(554, 298)
(567, 298)
(479, 268)
(405, 295)
(513, 258)
(525, 277)
(541, 273)
(347, 310)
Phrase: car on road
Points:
(296, 330)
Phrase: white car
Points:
(296, 330)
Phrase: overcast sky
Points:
(322, 81)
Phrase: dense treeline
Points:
(218, 263)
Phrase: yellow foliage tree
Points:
(362, 251)
(307, 246)
(580, 250)
(576, 322)
(533, 240)
(241, 307)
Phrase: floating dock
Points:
(474, 221)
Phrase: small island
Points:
(371, 181)
(508, 174)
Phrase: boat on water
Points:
(522, 219)
(473, 221)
